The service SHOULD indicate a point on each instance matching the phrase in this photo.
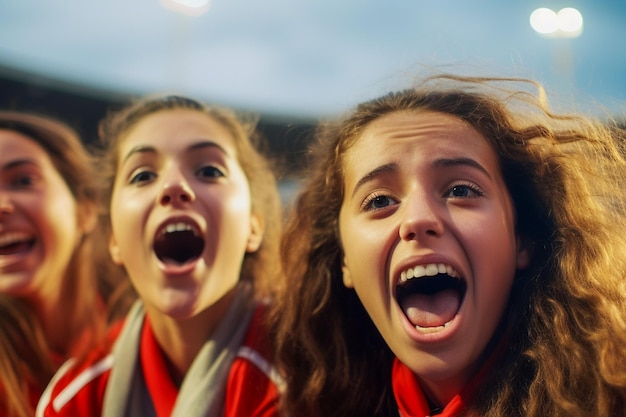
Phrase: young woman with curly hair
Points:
(458, 249)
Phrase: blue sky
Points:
(310, 58)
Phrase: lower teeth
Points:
(431, 329)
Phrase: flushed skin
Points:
(563, 243)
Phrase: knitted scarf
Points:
(202, 390)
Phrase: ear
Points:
(87, 217)
(345, 273)
(257, 228)
(523, 253)
(114, 250)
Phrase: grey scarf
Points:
(202, 390)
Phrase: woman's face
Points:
(428, 232)
(39, 222)
(180, 212)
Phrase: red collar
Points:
(160, 385)
(412, 401)
(410, 398)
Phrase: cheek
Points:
(233, 206)
(492, 248)
(364, 253)
(238, 204)
(117, 220)
(359, 234)
(490, 232)
(61, 217)
(126, 216)
(127, 205)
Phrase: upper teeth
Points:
(12, 238)
(178, 227)
(428, 270)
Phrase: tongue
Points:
(431, 310)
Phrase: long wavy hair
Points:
(26, 359)
(565, 323)
(261, 268)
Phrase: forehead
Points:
(407, 123)
(170, 131)
(405, 131)
(17, 145)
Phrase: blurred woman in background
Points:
(51, 296)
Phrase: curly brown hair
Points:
(566, 320)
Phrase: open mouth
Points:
(178, 243)
(430, 295)
(13, 243)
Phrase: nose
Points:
(6, 205)
(421, 218)
(176, 189)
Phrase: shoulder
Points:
(77, 388)
(254, 383)
(256, 349)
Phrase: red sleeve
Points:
(68, 396)
(77, 389)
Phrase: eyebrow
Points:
(446, 162)
(194, 147)
(373, 174)
(18, 162)
(392, 167)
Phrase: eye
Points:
(209, 171)
(142, 176)
(377, 202)
(22, 181)
(464, 191)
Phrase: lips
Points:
(430, 295)
(178, 242)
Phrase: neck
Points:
(182, 339)
(440, 394)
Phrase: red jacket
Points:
(251, 390)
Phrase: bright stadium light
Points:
(544, 20)
(567, 23)
(188, 7)
(570, 20)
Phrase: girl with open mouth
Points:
(458, 250)
(54, 274)
(194, 209)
